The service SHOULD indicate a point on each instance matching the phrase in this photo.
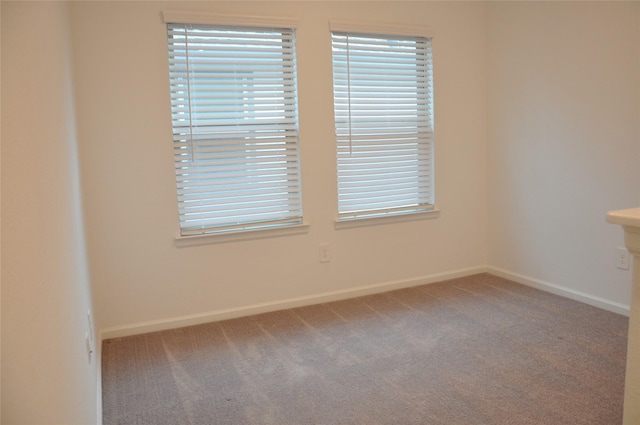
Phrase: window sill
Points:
(374, 221)
(213, 238)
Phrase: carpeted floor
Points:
(476, 350)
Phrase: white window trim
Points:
(380, 29)
(350, 223)
(174, 16)
(196, 17)
(361, 27)
(241, 235)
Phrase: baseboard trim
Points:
(562, 291)
(232, 313)
(98, 350)
(214, 316)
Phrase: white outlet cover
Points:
(90, 325)
(88, 344)
(622, 258)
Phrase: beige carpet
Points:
(477, 350)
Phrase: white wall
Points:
(537, 136)
(46, 374)
(129, 186)
(564, 141)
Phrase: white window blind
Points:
(235, 127)
(383, 97)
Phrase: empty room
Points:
(318, 212)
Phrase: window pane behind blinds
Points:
(384, 124)
(235, 127)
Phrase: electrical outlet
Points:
(622, 259)
(90, 325)
(89, 346)
(89, 337)
(325, 253)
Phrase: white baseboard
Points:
(98, 350)
(213, 316)
(217, 315)
(561, 290)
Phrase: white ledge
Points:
(202, 17)
(629, 217)
(214, 238)
(380, 28)
(396, 218)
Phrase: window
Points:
(383, 106)
(235, 126)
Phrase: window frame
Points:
(397, 32)
(216, 234)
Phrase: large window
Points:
(235, 127)
(383, 104)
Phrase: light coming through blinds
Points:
(235, 127)
(383, 100)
